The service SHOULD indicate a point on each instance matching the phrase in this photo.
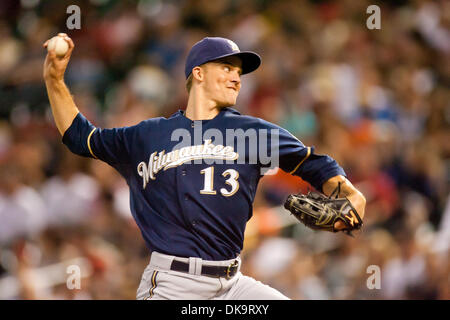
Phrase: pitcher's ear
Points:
(198, 73)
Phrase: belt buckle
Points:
(234, 264)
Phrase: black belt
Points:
(212, 271)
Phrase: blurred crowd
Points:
(378, 101)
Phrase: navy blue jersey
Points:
(192, 183)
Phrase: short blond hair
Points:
(189, 83)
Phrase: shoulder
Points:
(150, 124)
(249, 121)
(246, 121)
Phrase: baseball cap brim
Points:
(250, 60)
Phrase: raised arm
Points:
(63, 107)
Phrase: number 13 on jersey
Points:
(232, 181)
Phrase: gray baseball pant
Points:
(160, 283)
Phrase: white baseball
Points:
(59, 45)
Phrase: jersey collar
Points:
(224, 111)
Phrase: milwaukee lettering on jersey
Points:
(161, 160)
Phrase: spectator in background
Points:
(377, 100)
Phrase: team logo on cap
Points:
(233, 45)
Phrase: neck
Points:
(200, 108)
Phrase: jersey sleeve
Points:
(300, 160)
(109, 145)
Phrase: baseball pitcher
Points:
(193, 176)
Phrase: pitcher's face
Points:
(223, 80)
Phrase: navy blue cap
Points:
(213, 48)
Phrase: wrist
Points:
(54, 82)
(358, 201)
